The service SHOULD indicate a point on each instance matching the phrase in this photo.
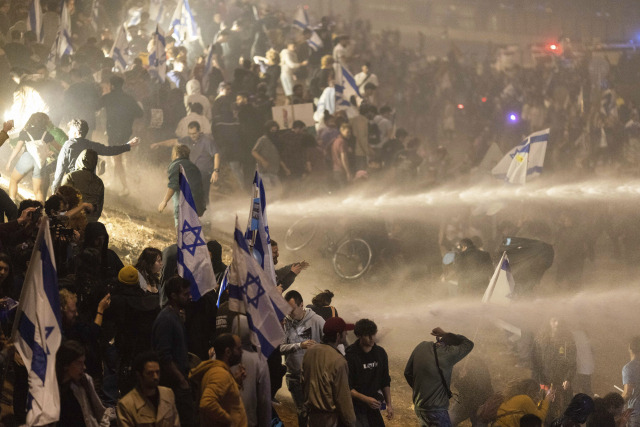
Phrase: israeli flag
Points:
(253, 292)
(34, 23)
(315, 42)
(208, 64)
(501, 286)
(156, 10)
(36, 330)
(64, 33)
(158, 56)
(194, 263)
(134, 16)
(120, 50)
(301, 20)
(185, 28)
(258, 229)
(524, 161)
(346, 88)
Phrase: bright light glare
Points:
(513, 117)
(460, 107)
(553, 47)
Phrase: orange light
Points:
(460, 107)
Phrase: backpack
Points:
(38, 149)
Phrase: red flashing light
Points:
(460, 107)
(553, 47)
(483, 99)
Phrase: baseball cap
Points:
(335, 325)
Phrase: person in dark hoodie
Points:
(96, 236)
(85, 180)
(77, 143)
(576, 414)
(132, 314)
(215, 252)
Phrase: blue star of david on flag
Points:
(251, 279)
(524, 149)
(197, 238)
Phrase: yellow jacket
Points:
(220, 401)
(512, 410)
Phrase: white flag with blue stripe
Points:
(158, 56)
(315, 42)
(253, 292)
(156, 10)
(134, 16)
(194, 263)
(185, 28)
(301, 20)
(36, 330)
(524, 161)
(346, 89)
(34, 23)
(501, 286)
(65, 46)
(259, 227)
(120, 50)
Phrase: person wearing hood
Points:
(96, 236)
(132, 313)
(215, 252)
(220, 401)
(576, 414)
(194, 95)
(302, 330)
(85, 180)
(77, 143)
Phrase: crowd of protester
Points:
(137, 350)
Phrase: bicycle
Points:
(351, 255)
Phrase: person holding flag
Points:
(158, 56)
(180, 160)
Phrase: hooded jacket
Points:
(194, 94)
(85, 180)
(220, 402)
(297, 331)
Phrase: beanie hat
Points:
(128, 275)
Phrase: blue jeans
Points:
(438, 418)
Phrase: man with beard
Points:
(148, 401)
(220, 401)
(169, 340)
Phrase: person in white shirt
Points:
(288, 65)
(341, 50)
(365, 76)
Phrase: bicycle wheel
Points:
(352, 258)
(300, 233)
